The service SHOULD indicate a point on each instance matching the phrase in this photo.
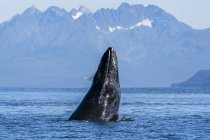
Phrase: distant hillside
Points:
(200, 79)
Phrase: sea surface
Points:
(149, 113)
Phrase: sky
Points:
(192, 12)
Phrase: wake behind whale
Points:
(103, 98)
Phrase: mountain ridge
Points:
(54, 49)
(200, 79)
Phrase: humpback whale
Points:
(102, 101)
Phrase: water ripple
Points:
(156, 113)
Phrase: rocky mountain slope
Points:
(200, 79)
(59, 48)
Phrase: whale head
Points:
(103, 98)
(108, 67)
(107, 78)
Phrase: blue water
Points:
(157, 113)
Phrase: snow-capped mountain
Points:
(59, 48)
(75, 14)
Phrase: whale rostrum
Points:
(102, 101)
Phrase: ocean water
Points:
(152, 113)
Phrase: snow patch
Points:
(112, 29)
(146, 22)
(98, 28)
(77, 15)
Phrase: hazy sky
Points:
(193, 12)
